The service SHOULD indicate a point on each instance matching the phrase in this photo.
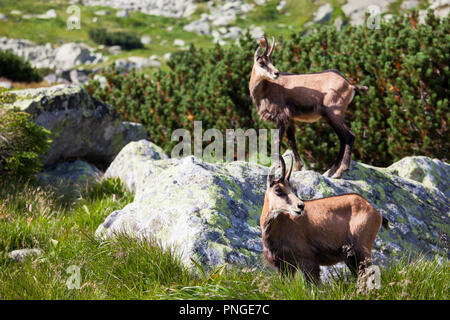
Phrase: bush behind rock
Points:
(21, 143)
(405, 112)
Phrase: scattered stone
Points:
(441, 7)
(167, 56)
(50, 14)
(356, 9)
(281, 5)
(179, 43)
(166, 8)
(199, 27)
(114, 50)
(122, 14)
(338, 23)
(101, 13)
(256, 31)
(324, 13)
(6, 84)
(409, 4)
(21, 255)
(102, 80)
(146, 40)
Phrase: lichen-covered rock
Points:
(211, 211)
(70, 173)
(82, 127)
(134, 163)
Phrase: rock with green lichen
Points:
(210, 212)
(82, 127)
(76, 173)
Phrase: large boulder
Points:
(210, 212)
(82, 127)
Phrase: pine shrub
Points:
(125, 40)
(21, 143)
(405, 112)
(16, 69)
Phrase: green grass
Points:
(63, 226)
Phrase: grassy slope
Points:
(33, 217)
(55, 31)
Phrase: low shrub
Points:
(17, 69)
(125, 40)
(21, 143)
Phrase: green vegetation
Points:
(125, 40)
(21, 143)
(16, 69)
(63, 228)
(404, 64)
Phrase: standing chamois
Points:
(307, 234)
(286, 98)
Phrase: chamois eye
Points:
(279, 191)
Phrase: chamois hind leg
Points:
(346, 139)
(281, 126)
(291, 138)
(340, 133)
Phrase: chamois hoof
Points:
(326, 173)
(339, 174)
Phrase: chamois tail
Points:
(361, 88)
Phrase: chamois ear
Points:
(270, 176)
(263, 42)
(257, 53)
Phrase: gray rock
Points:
(3, 17)
(50, 14)
(179, 43)
(101, 13)
(256, 32)
(21, 255)
(441, 7)
(82, 127)
(167, 8)
(114, 50)
(338, 23)
(72, 54)
(281, 5)
(210, 212)
(76, 173)
(198, 26)
(146, 40)
(409, 4)
(122, 14)
(356, 9)
(102, 80)
(324, 13)
(6, 84)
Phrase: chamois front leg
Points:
(291, 138)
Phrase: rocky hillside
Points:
(70, 55)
